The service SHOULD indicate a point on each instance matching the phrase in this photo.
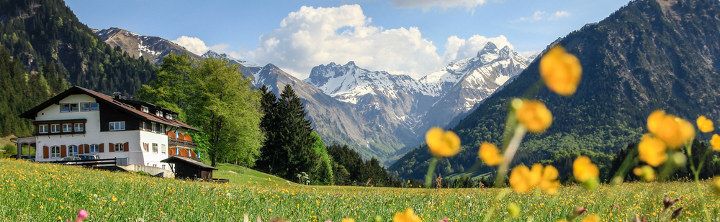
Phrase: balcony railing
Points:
(182, 143)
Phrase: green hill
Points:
(44, 49)
(648, 55)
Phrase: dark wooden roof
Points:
(107, 100)
(176, 159)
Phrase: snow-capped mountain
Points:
(149, 47)
(213, 54)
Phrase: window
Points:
(162, 128)
(54, 152)
(146, 147)
(119, 147)
(94, 106)
(159, 113)
(119, 125)
(64, 108)
(164, 148)
(168, 116)
(84, 107)
(43, 128)
(144, 109)
(79, 127)
(74, 107)
(155, 147)
(72, 150)
(94, 148)
(67, 127)
(55, 128)
(154, 128)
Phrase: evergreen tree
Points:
(295, 129)
(272, 158)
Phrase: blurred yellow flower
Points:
(715, 142)
(513, 210)
(672, 130)
(524, 179)
(704, 124)
(347, 220)
(591, 218)
(533, 115)
(652, 150)
(716, 184)
(584, 169)
(561, 71)
(442, 143)
(646, 172)
(490, 154)
(406, 216)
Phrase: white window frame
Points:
(55, 128)
(164, 148)
(55, 152)
(154, 127)
(159, 113)
(43, 128)
(72, 150)
(65, 107)
(67, 127)
(154, 147)
(119, 147)
(117, 126)
(79, 127)
(162, 128)
(145, 109)
(76, 106)
(94, 148)
(85, 107)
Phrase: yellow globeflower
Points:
(584, 169)
(406, 216)
(549, 182)
(490, 154)
(716, 184)
(704, 124)
(347, 220)
(652, 150)
(533, 115)
(672, 130)
(715, 142)
(561, 71)
(646, 172)
(524, 179)
(442, 143)
(591, 218)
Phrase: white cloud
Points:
(558, 15)
(542, 15)
(313, 36)
(426, 4)
(192, 44)
(457, 48)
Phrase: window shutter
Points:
(111, 147)
(46, 152)
(87, 148)
(102, 147)
(127, 147)
(63, 151)
(81, 149)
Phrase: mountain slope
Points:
(45, 49)
(149, 47)
(648, 55)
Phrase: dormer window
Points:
(168, 116)
(145, 109)
(159, 113)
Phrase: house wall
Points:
(153, 158)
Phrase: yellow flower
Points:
(114, 199)
(561, 71)
(652, 150)
(591, 218)
(524, 179)
(533, 115)
(406, 216)
(513, 210)
(715, 142)
(490, 154)
(347, 220)
(716, 184)
(672, 130)
(584, 169)
(704, 124)
(442, 143)
(646, 172)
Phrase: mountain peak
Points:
(351, 64)
(489, 48)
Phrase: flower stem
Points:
(509, 154)
(430, 172)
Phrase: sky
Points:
(413, 37)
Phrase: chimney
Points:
(116, 95)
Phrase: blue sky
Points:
(413, 37)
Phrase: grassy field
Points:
(46, 192)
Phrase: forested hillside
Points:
(44, 49)
(648, 55)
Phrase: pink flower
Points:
(82, 214)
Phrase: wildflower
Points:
(646, 172)
(523, 179)
(716, 184)
(672, 130)
(715, 142)
(652, 150)
(591, 218)
(704, 124)
(584, 169)
(82, 214)
(561, 71)
(347, 220)
(513, 210)
(114, 199)
(442, 143)
(533, 115)
(406, 216)
(490, 154)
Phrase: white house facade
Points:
(80, 121)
